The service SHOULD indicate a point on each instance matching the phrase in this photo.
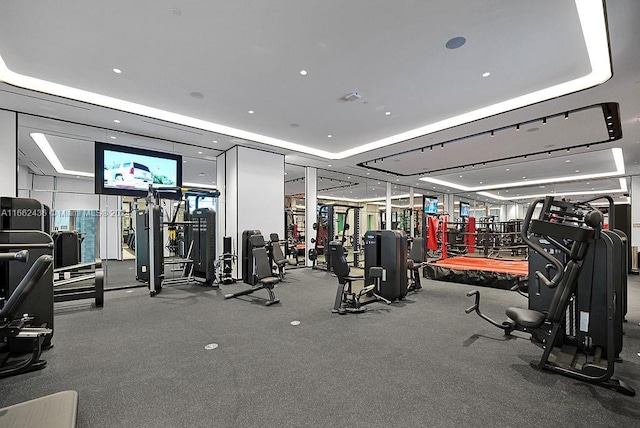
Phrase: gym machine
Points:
(19, 333)
(226, 261)
(25, 224)
(259, 274)
(387, 249)
(348, 301)
(581, 332)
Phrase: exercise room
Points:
(283, 214)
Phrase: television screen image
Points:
(464, 209)
(431, 205)
(128, 171)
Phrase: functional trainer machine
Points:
(150, 263)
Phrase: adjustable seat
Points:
(415, 262)
(278, 256)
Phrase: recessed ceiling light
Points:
(481, 182)
(524, 178)
(199, 153)
(455, 42)
(568, 161)
(486, 74)
(329, 136)
(184, 161)
(577, 170)
(251, 111)
(303, 72)
(508, 169)
(116, 120)
(215, 141)
(387, 113)
(368, 173)
(112, 137)
(286, 173)
(329, 165)
(117, 70)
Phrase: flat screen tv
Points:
(431, 205)
(128, 171)
(464, 209)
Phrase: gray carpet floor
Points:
(142, 362)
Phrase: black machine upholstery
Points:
(278, 256)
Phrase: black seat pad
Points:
(353, 278)
(526, 317)
(270, 280)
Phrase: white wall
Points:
(8, 154)
(635, 211)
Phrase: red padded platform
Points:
(515, 267)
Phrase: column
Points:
(447, 201)
(310, 209)
(388, 215)
(635, 215)
(9, 158)
(251, 183)
(412, 223)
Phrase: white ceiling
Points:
(245, 55)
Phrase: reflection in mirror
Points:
(294, 209)
(56, 167)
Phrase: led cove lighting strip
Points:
(204, 186)
(338, 198)
(618, 159)
(594, 31)
(47, 150)
(622, 181)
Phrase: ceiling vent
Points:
(353, 96)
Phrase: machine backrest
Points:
(257, 241)
(339, 261)
(417, 250)
(26, 285)
(263, 268)
(276, 250)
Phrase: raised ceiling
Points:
(216, 61)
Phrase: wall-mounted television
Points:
(464, 209)
(128, 171)
(430, 205)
